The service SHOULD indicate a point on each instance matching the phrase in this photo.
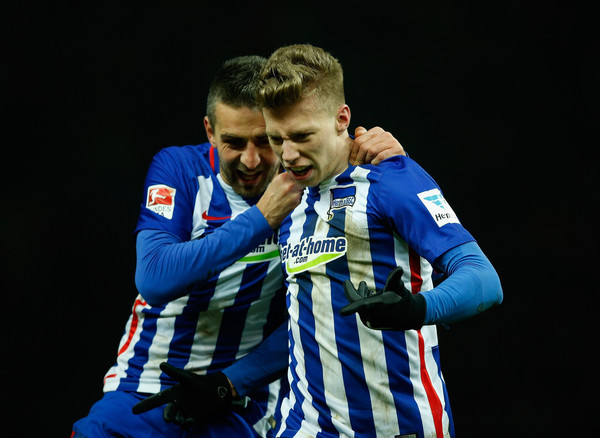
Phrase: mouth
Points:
(249, 178)
(300, 172)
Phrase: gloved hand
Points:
(194, 398)
(393, 308)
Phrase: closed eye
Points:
(300, 137)
(262, 141)
(233, 142)
(275, 140)
(297, 137)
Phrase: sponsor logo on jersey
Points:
(311, 252)
(438, 207)
(263, 252)
(161, 200)
(341, 197)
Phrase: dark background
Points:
(495, 100)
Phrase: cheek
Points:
(275, 154)
(228, 156)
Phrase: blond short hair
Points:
(297, 71)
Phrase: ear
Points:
(343, 118)
(210, 133)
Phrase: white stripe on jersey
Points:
(419, 393)
(371, 341)
(311, 416)
(258, 309)
(236, 202)
(118, 371)
(429, 334)
(149, 379)
(263, 426)
(203, 198)
(228, 284)
(335, 394)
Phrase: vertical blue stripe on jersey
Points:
(277, 312)
(135, 365)
(357, 392)
(447, 408)
(380, 243)
(296, 414)
(394, 341)
(234, 317)
(399, 379)
(314, 371)
(184, 331)
(291, 419)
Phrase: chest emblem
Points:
(341, 197)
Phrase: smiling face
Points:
(246, 161)
(310, 141)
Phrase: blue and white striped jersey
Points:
(345, 379)
(223, 316)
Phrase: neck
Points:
(341, 158)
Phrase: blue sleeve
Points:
(472, 286)
(166, 265)
(169, 174)
(410, 202)
(266, 363)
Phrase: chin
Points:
(250, 191)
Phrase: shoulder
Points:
(400, 173)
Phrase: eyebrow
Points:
(234, 139)
(225, 136)
(293, 133)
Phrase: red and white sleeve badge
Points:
(161, 200)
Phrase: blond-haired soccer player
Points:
(364, 362)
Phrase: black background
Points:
(496, 100)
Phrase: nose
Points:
(250, 156)
(289, 152)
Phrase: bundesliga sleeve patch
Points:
(438, 207)
(161, 200)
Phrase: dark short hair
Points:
(235, 84)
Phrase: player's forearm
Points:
(166, 266)
(265, 364)
(472, 286)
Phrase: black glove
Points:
(193, 399)
(393, 308)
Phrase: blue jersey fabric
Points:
(210, 282)
(111, 417)
(346, 379)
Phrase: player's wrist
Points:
(415, 318)
(234, 394)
